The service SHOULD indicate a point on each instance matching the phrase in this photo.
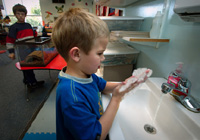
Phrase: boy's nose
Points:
(103, 58)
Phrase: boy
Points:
(81, 38)
(17, 32)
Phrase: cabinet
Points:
(123, 23)
(119, 61)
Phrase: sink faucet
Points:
(179, 87)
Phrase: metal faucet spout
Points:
(165, 88)
(181, 93)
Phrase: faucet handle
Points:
(184, 85)
(183, 82)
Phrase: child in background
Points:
(81, 38)
(17, 32)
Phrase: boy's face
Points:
(20, 16)
(91, 62)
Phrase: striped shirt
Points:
(18, 32)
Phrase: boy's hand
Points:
(12, 56)
(118, 94)
(139, 76)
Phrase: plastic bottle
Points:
(179, 68)
(156, 24)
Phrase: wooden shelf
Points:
(135, 36)
(136, 39)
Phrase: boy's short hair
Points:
(77, 28)
(20, 8)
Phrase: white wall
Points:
(184, 44)
(47, 5)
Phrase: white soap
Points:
(139, 75)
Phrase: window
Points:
(33, 11)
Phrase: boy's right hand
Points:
(12, 56)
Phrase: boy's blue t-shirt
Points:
(78, 107)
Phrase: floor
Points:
(44, 125)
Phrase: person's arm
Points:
(10, 41)
(10, 47)
(107, 118)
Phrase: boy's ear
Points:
(75, 54)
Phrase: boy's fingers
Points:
(133, 85)
(120, 85)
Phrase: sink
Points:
(147, 106)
